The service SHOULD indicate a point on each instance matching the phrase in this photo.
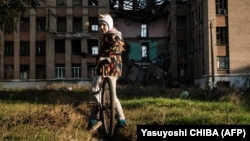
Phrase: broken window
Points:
(40, 24)
(91, 70)
(25, 24)
(222, 35)
(181, 1)
(222, 62)
(182, 48)
(127, 5)
(59, 46)
(40, 48)
(61, 24)
(191, 47)
(40, 72)
(77, 3)
(24, 48)
(8, 71)
(160, 2)
(76, 46)
(93, 2)
(93, 24)
(41, 1)
(93, 46)
(8, 48)
(221, 6)
(135, 5)
(61, 2)
(181, 22)
(24, 71)
(141, 10)
(77, 24)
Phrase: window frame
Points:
(61, 2)
(24, 69)
(59, 46)
(222, 59)
(9, 48)
(221, 7)
(25, 24)
(145, 50)
(77, 24)
(182, 48)
(40, 71)
(61, 24)
(75, 46)
(93, 24)
(181, 2)
(94, 50)
(40, 48)
(222, 35)
(40, 24)
(59, 71)
(92, 43)
(93, 2)
(8, 71)
(24, 48)
(76, 2)
(76, 71)
(144, 30)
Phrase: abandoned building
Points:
(195, 42)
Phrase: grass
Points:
(62, 115)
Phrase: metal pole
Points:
(212, 53)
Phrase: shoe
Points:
(94, 124)
(122, 123)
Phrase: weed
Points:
(62, 114)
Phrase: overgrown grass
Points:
(62, 115)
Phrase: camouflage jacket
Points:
(112, 46)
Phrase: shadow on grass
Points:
(45, 96)
(233, 95)
(127, 92)
(62, 96)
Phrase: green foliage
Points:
(11, 10)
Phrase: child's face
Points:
(103, 27)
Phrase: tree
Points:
(11, 10)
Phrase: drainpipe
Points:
(212, 53)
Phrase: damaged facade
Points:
(157, 35)
(166, 41)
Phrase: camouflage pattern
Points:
(112, 46)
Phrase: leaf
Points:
(11, 11)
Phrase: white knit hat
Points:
(107, 19)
